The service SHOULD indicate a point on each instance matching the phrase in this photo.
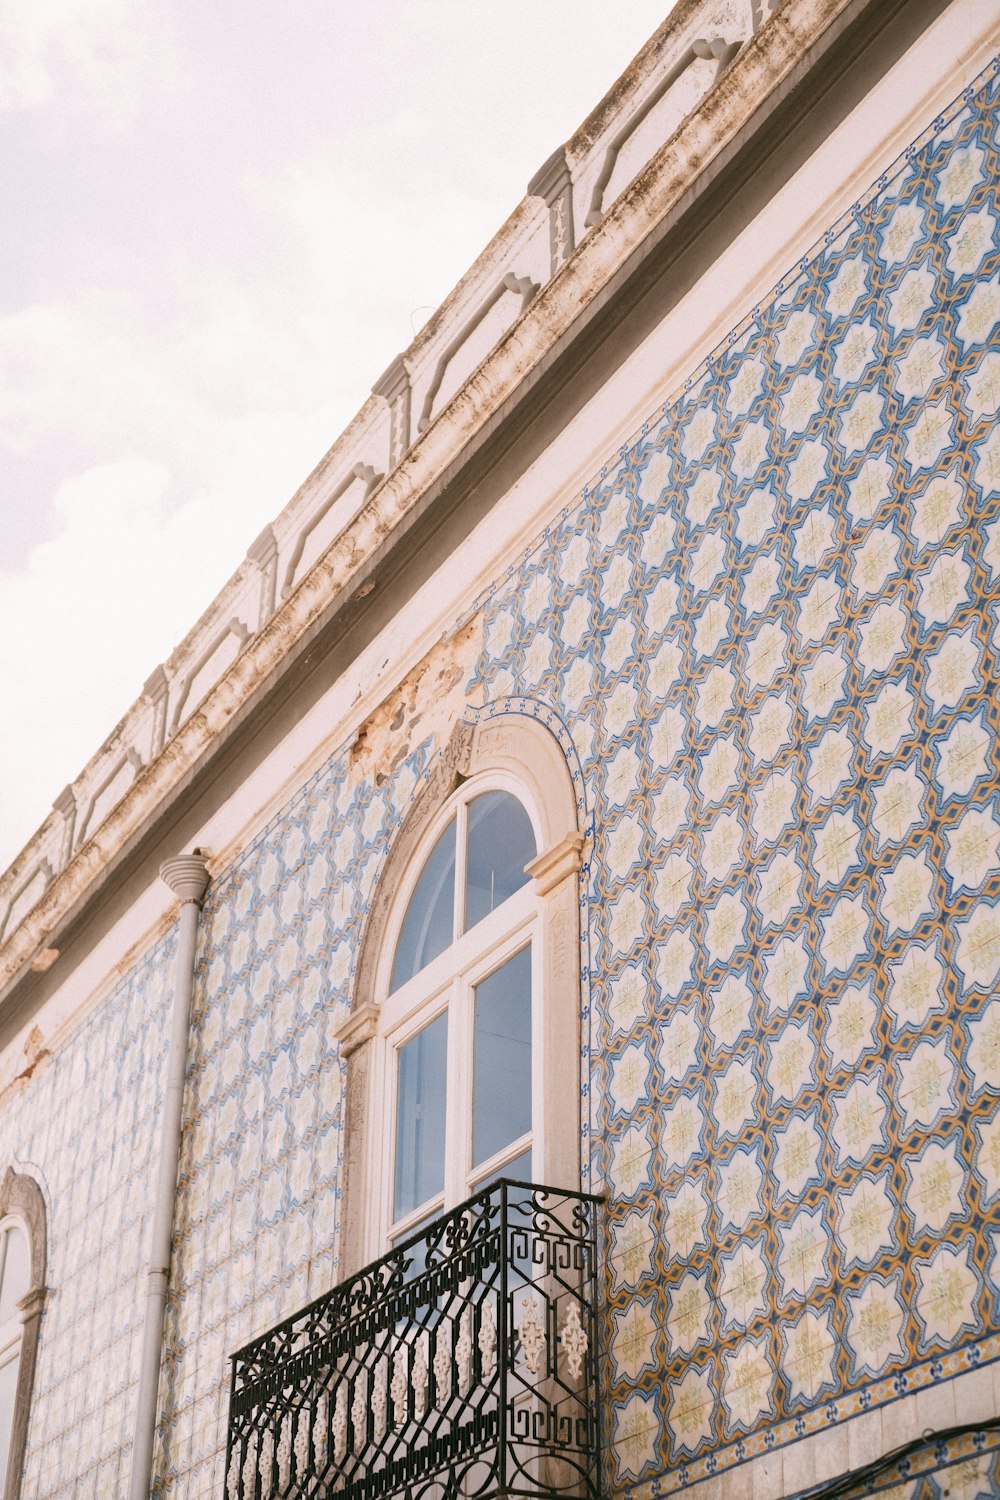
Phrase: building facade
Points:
(596, 770)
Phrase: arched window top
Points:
(475, 864)
(513, 753)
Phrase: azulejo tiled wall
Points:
(963, 1468)
(768, 635)
(774, 630)
(87, 1127)
(258, 1214)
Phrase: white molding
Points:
(517, 754)
(556, 864)
(356, 1030)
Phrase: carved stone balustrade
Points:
(461, 1363)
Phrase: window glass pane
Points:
(15, 1272)
(420, 1110)
(500, 844)
(418, 1252)
(519, 1169)
(429, 924)
(501, 1096)
(8, 1390)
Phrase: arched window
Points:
(463, 1043)
(22, 1291)
(457, 1017)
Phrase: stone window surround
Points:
(21, 1200)
(525, 750)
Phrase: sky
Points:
(223, 221)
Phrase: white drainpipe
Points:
(187, 877)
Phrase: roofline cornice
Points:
(792, 42)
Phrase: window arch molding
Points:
(23, 1204)
(516, 751)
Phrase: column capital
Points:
(156, 684)
(187, 876)
(357, 1028)
(551, 178)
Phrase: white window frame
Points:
(516, 753)
(22, 1205)
(12, 1330)
(446, 984)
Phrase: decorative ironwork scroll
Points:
(463, 1363)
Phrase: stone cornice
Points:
(670, 177)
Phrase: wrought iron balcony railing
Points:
(463, 1363)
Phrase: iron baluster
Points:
(411, 1379)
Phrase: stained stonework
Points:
(21, 1195)
(425, 706)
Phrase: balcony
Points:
(463, 1363)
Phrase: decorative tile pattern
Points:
(767, 637)
(770, 630)
(262, 1146)
(965, 1468)
(87, 1127)
(258, 1203)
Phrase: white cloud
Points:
(126, 574)
(94, 59)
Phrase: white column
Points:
(187, 877)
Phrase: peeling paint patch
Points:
(33, 1054)
(427, 704)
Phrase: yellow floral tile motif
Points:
(789, 608)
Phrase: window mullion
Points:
(539, 1059)
(455, 1151)
(382, 1164)
(461, 865)
(509, 915)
